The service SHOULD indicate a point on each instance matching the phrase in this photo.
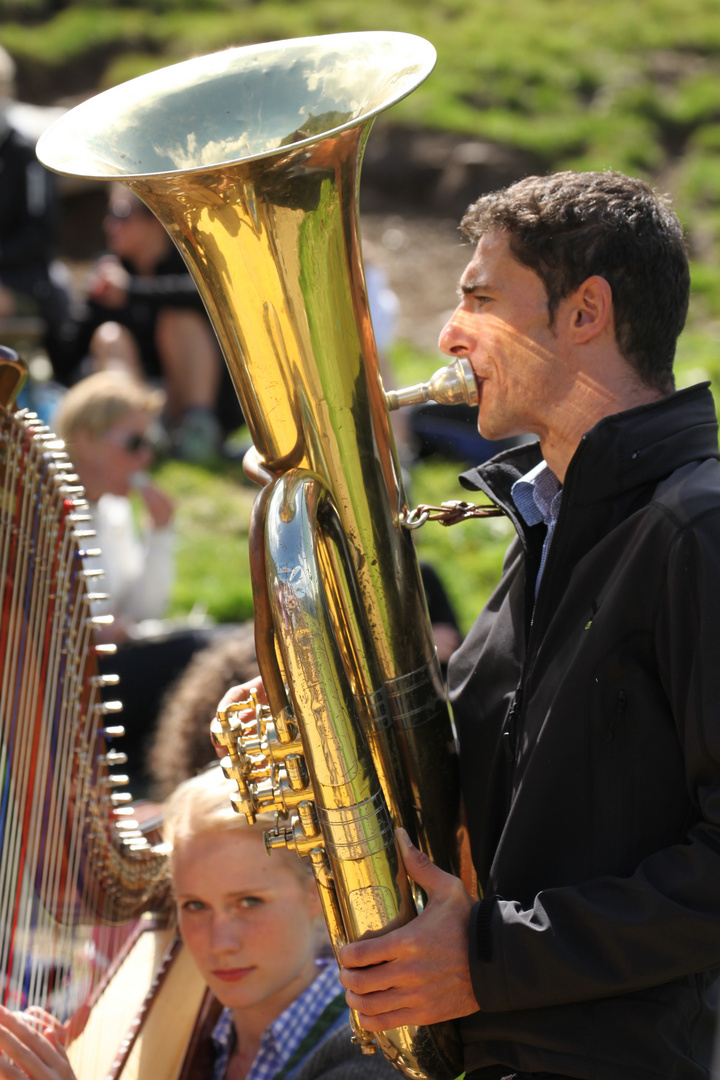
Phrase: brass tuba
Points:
(250, 158)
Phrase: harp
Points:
(84, 899)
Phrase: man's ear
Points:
(591, 309)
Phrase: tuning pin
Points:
(117, 798)
(115, 732)
(105, 707)
(128, 826)
(117, 779)
(115, 757)
(104, 680)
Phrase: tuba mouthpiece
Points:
(451, 385)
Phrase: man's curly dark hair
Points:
(572, 225)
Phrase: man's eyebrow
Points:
(472, 284)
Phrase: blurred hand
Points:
(447, 640)
(33, 1043)
(109, 283)
(7, 302)
(419, 974)
(159, 506)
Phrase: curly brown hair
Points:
(181, 745)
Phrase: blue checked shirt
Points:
(282, 1037)
(537, 496)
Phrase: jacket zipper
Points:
(509, 734)
(511, 729)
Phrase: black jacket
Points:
(28, 208)
(589, 726)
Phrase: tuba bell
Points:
(251, 158)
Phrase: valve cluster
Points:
(265, 758)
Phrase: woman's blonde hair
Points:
(201, 805)
(96, 403)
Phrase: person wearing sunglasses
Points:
(107, 421)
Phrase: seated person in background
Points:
(106, 421)
(30, 284)
(253, 927)
(180, 747)
(144, 314)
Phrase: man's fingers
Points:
(367, 980)
(379, 950)
(420, 867)
(382, 1011)
(239, 693)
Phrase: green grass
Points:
(212, 515)
(608, 83)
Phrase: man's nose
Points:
(455, 337)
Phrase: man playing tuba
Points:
(586, 694)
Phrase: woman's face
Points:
(130, 228)
(107, 462)
(247, 919)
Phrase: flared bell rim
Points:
(81, 142)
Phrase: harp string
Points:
(66, 877)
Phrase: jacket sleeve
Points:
(30, 239)
(338, 1058)
(614, 935)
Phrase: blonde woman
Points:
(252, 925)
(106, 421)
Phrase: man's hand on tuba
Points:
(235, 694)
(420, 973)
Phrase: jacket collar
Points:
(622, 452)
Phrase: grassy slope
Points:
(612, 84)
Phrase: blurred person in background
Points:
(143, 314)
(32, 283)
(107, 421)
(180, 747)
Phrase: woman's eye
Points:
(250, 901)
(192, 905)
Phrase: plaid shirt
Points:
(283, 1036)
(537, 496)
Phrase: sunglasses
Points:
(123, 211)
(131, 443)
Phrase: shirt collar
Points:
(284, 1034)
(537, 495)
